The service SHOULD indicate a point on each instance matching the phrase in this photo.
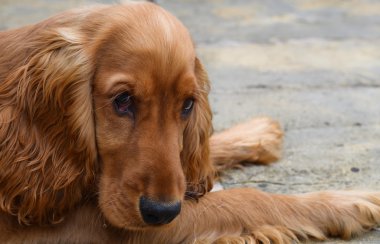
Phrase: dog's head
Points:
(117, 96)
(152, 116)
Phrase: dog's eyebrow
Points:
(186, 86)
(118, 80)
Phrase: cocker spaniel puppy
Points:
(105, 134)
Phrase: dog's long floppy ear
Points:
(47, 144)
(195, 156)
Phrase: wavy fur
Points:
(73, 169)
(196, 157)
(47, 150)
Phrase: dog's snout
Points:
(158, 213)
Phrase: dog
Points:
(106, 136)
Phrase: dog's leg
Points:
(251, 216)
(258, 140)
(229, 216)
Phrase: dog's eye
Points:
(124, 104)
(187, 107)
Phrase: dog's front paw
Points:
(265, 235)
(258, 140)
(354, 213)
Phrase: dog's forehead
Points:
(143, 85)
(144, 26)
(151, 48)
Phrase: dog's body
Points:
(105, 129)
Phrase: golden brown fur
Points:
(72, 170)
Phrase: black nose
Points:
(158, 213)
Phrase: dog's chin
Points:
(121, 220)
(126, 224)
(144, 227)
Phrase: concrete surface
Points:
(312, 65)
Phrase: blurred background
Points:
(314, 65)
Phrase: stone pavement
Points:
(312, 65)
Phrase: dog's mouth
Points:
(137, 212)
(150, 214)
